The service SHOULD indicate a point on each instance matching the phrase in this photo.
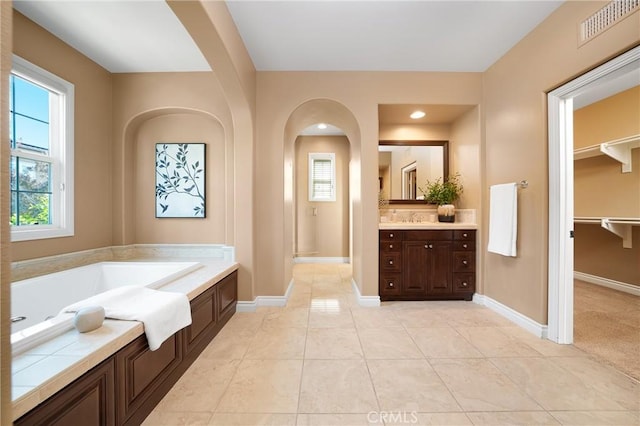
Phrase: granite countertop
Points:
(426, 225)
(40, 372)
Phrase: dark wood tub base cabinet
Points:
(126, 387)
(427, 264)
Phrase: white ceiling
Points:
(383, 35)
(391, 35)
(121, 36)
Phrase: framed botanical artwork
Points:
(180, 180)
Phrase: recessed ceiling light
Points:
(322, 126)
(417, 114)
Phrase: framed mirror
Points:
(404, 166)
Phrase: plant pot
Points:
(447, 213)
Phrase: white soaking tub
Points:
(36, 302)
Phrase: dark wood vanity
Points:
(124, 388)
(427, 264)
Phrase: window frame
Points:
(61, 153)
(322, 156)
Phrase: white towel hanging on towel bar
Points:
(503, 219)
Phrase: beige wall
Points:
(6, 15)
(602, 190)
(516, 140)
(279, 94)
(325, 234)
(599, 252)
(92, 143)
(180, 128)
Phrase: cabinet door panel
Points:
(415, 267)
(227, 296)
(439, 276)
(87, 401)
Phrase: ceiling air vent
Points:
(606, 17)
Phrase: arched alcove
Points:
(172, 125)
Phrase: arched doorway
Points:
(305, 115)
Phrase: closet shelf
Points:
(621, 226)
(618, 149)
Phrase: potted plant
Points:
(443, 194)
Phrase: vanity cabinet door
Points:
(427, 267)
(439, 277)
(415, 268)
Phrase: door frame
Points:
(560, 127)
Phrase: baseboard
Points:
(366, 301)
(606, 282)
(320, 260)
(514, 316)
(274, 301)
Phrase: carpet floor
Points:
(607, 325)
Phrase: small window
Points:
(41, 138)
(322, 177)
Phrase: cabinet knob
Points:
(390, 235)
(464, 246)
(390, 246)
(465, 235)
(464, 262)
(428, 246)
(465, 284)
(391, 262)
(390, 284)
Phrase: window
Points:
(41, 137)
(322, 176)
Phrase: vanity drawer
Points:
(464, 283)
(391, 235)
(390, 284)
(464, 261)
(464, 235)
(390, 262)
(428, 235)
(390, 246)
(464, 245)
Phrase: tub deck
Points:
(42, 371)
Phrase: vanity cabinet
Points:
(427, 264)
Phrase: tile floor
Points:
(323, 360)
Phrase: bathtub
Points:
(36, 302)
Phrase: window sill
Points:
(30, 234)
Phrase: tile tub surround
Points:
(43, 370)
(343, 372)
(24, 269)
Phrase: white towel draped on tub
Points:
(503, 219)
(162, 312)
